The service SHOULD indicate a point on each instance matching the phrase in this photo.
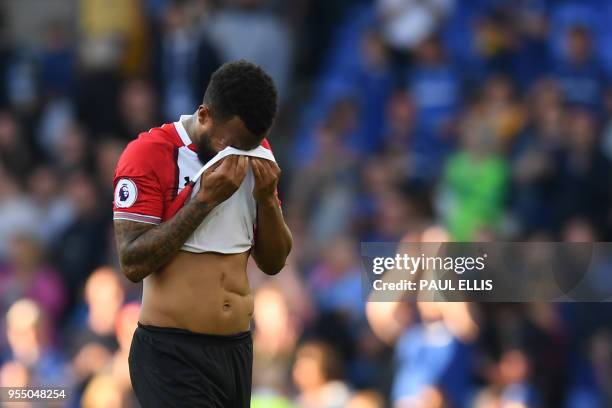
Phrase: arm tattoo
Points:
(144, 248)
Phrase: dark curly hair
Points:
(243, 89)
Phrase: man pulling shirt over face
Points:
(188, 196)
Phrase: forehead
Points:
(235, 134)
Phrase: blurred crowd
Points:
(400, 120)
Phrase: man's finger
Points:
(241, 166)
(256, 166)
(214, 166)
(268, 169)
(227, 164)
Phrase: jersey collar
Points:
(180, 129)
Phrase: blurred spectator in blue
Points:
(29, 335)
(365, 81)
(184, 61)
(336, 281)
(317, 374)
(248, 29)
(534, 159)
(514, 370)
(510, 38)
(138, 108)
(57, 62)
(321, 199)
(15, 154)
(83, 245)
(373, 86)
(26, 274)
(510, 384)
(52, 206)
(108, 150)
(435, 89)
(392, 217)
(18, 214)
(433, 356)
(583, 171)
(72, 151)
(579, 73)
(94, 320)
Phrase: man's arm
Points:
(144, 248)
(273, 239)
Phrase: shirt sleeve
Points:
(138, 195)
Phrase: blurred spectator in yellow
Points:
(111, 34)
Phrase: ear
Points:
(204, 116)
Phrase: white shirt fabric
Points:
(229, 227)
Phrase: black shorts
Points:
(178, 368)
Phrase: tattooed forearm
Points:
(144, 248)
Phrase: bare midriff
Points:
(204, 293)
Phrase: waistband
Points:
(187, 335)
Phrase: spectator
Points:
(316, 374)
(248, 30)
(79, 249)
(29, 336)
(366, 399)
(435, 89)
(406, 23)
(474, 182)
(14, 153)
(582, 168)
(95, 321)
(17, 212)
(28, 275)
(185, 60)
(432, 356)
(56, 209)
(581, 77)
(275, 337)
